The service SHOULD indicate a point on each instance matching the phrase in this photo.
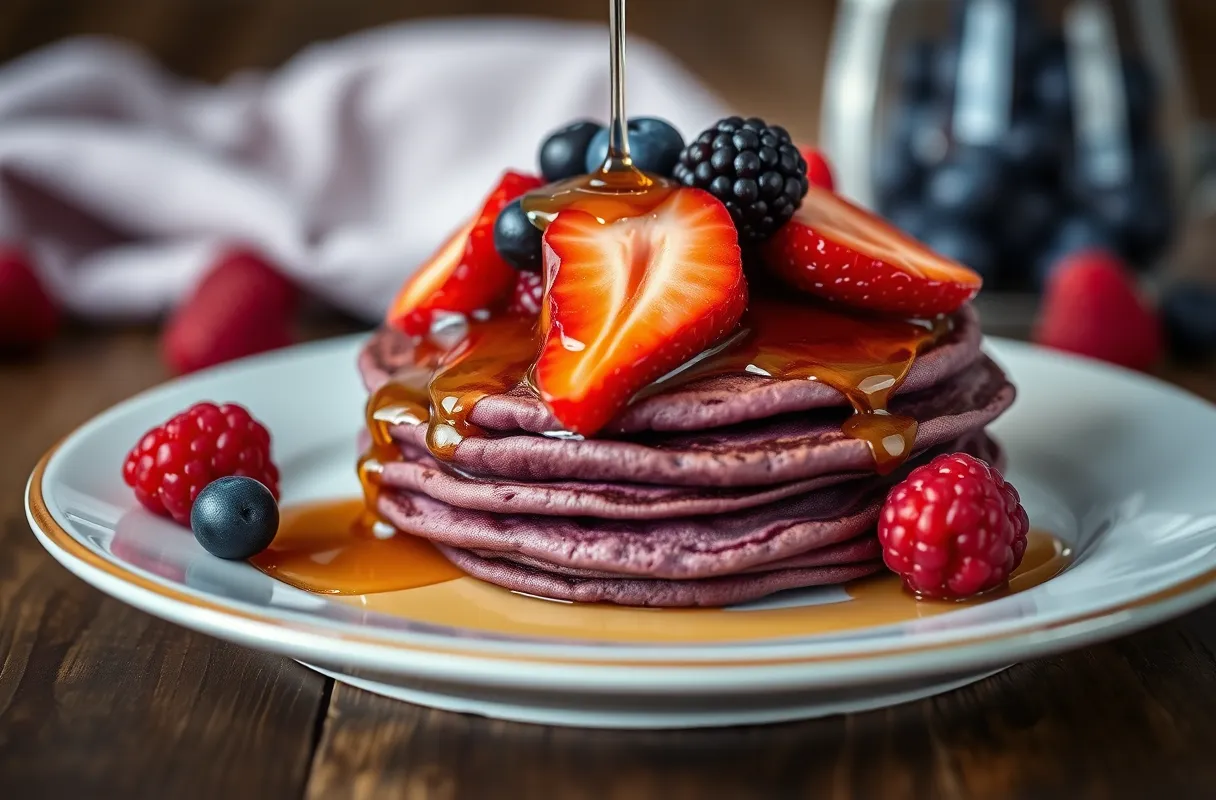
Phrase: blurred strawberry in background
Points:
(28, 316)
(1093, 307)
(242, 306)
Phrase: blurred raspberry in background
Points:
(241, 307)
(29, 317)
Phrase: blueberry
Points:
(968, 185)
(911, 218)
(920, 134)
(1051, 88)
(1188, 309)
(965, 245)
(1075, 233)
(896, 177)
(1141, 218)
(1024, 13)
(1032, 35)
(1034, 146)
(564, 153)
(654, 145)
(1140, 93)
(1152, 165)
(234, 518)
(516, 239)
(915, 69)
(1027, 219)
(1139, 214)
(945, 71)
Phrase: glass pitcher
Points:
(1008, 133)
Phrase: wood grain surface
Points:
(100, 700)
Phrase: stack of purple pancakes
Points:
(709, 493)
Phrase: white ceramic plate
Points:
(1116, 464)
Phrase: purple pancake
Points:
(790, 448)
(695, 406)
(678, 549)
(722, 591)
(603, 500)
(690, 547)
(587, 498)
(858, 550)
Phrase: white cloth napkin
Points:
(347, 167)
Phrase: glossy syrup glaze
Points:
(337, 548)
(614, 192)
(864, 358)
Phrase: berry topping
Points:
(631, 300)
(235, 518)
(466, 274)
(750, 166)
(841, 252)
(28, 316)
(516, 239)
(172, 463)
(953, 528)
(242, 306)
(968, 186)
(1091, 307)
(528, 294)
(818, 170)
(564, 153)
(654, 146)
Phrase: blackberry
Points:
(753, 168)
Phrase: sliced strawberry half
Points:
(631, 300)
(465, 274)
(836, 250)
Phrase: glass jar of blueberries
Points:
(1008, 133)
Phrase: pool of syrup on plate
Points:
(333, 547)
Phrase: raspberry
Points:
(28, 314)
(953, 528)
(172, 463)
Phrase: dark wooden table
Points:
(100, 700)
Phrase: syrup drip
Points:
(864, 358)
(441, 387)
